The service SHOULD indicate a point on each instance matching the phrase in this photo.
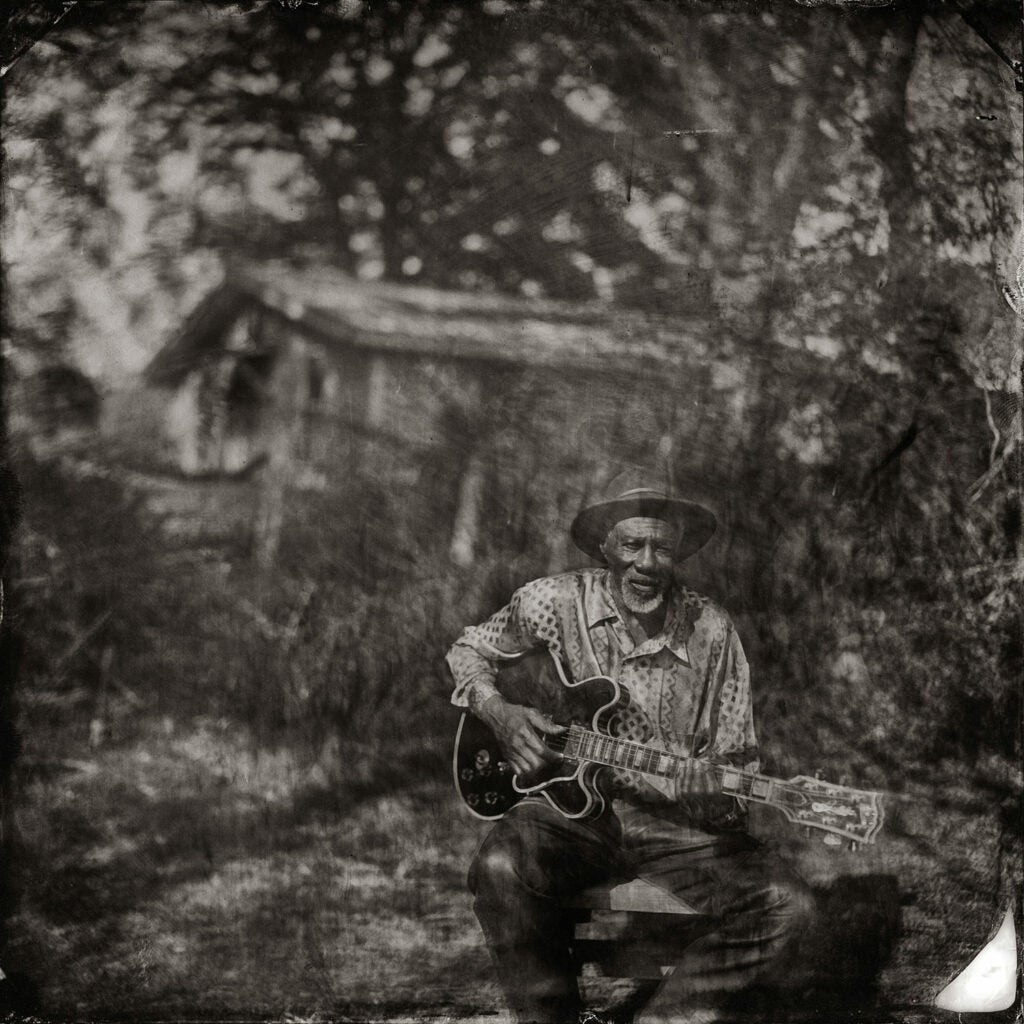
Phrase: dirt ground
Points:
(187, 875)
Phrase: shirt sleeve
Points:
(510, 632)
(733, 736)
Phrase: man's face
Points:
(641, 554)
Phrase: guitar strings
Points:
(560, 743)
(577, 737)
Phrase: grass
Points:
(187, 873)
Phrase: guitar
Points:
(490, 787)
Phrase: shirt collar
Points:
(600, 607)
(597, 600)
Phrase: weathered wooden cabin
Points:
(377, 357)
(300, 371)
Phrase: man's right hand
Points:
(519, 731)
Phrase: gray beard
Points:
(639, 606)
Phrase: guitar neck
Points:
(586, 745)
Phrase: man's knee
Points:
(493, 868)
(509, 863)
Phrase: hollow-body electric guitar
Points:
(574, 785)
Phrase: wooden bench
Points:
(632, 929)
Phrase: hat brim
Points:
(591, 527)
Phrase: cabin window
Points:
(244, 398)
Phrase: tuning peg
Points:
(854, 846)
(817, 773)
(808, 831)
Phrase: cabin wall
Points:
(333, 411)
(488, 443)
(378, 410)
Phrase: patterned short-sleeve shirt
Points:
(689, 686)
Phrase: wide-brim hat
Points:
(592, 525)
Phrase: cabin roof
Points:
(433, 322)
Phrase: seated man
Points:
(677, 656)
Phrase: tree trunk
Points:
(467, 513)
(891, 46)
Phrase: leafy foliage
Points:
(504, 147)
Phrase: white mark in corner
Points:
(989, 982)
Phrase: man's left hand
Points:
(698, 791)
(698, 778)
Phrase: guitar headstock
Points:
(853, 814)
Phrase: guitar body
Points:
(487, 782)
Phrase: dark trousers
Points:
(534, 859)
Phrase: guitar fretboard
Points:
(586, 745)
